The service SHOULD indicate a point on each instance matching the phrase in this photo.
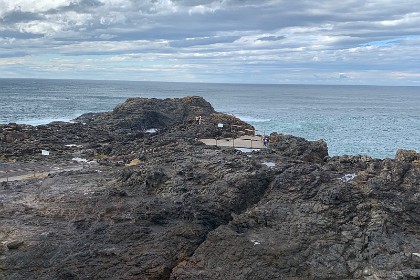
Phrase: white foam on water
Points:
(253, 119)
(43, 121)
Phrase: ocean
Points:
(353, 120)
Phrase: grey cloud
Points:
(203, 41)
(13, 54)
(271, 38)
(227, 32)
(18, 35)
(87, 4)
(18, 16)
(84, 6)
(192, 3)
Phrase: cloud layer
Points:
(267, 41)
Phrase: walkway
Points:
(250, 142)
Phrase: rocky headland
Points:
(150, 201)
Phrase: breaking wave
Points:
(253, 119)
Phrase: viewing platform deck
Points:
(250, 142)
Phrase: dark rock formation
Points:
(114, 133)
(136, 222)
(183, 210)
(299, 148)
(142, 113)
(314, 224)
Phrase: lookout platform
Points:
(250, 142)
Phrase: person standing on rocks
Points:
(266, 141)
(198, 119)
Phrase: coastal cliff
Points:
(153, 202)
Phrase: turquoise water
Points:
(352, 119)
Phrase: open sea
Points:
(371, 120)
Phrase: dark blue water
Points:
(352, 119)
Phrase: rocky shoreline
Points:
(153, 202)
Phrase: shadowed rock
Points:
(144, 113)
(163, 205)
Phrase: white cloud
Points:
(32, 6)
(40, 27)
(405, 75)
(408, 19)
(13, 61)
(204, 9)
(164, 6)
(234, 37)
(113, 18)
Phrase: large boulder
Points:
(298, 148)
(145, 113)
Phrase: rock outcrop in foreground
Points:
(163, 205)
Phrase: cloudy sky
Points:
(236, 41)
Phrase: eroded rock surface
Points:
(313, 224)
(163, 205)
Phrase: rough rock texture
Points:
(137, 222)
(314, 224)
(165, 206)
(118, 132)
(143, 113)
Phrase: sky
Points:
(227, 41)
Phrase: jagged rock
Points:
(15, 244)
(190, 211)
(296, 147)
(143, 113)
(407, 155)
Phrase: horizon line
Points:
(215, 83)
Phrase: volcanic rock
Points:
(163, 205)
(143, 113)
